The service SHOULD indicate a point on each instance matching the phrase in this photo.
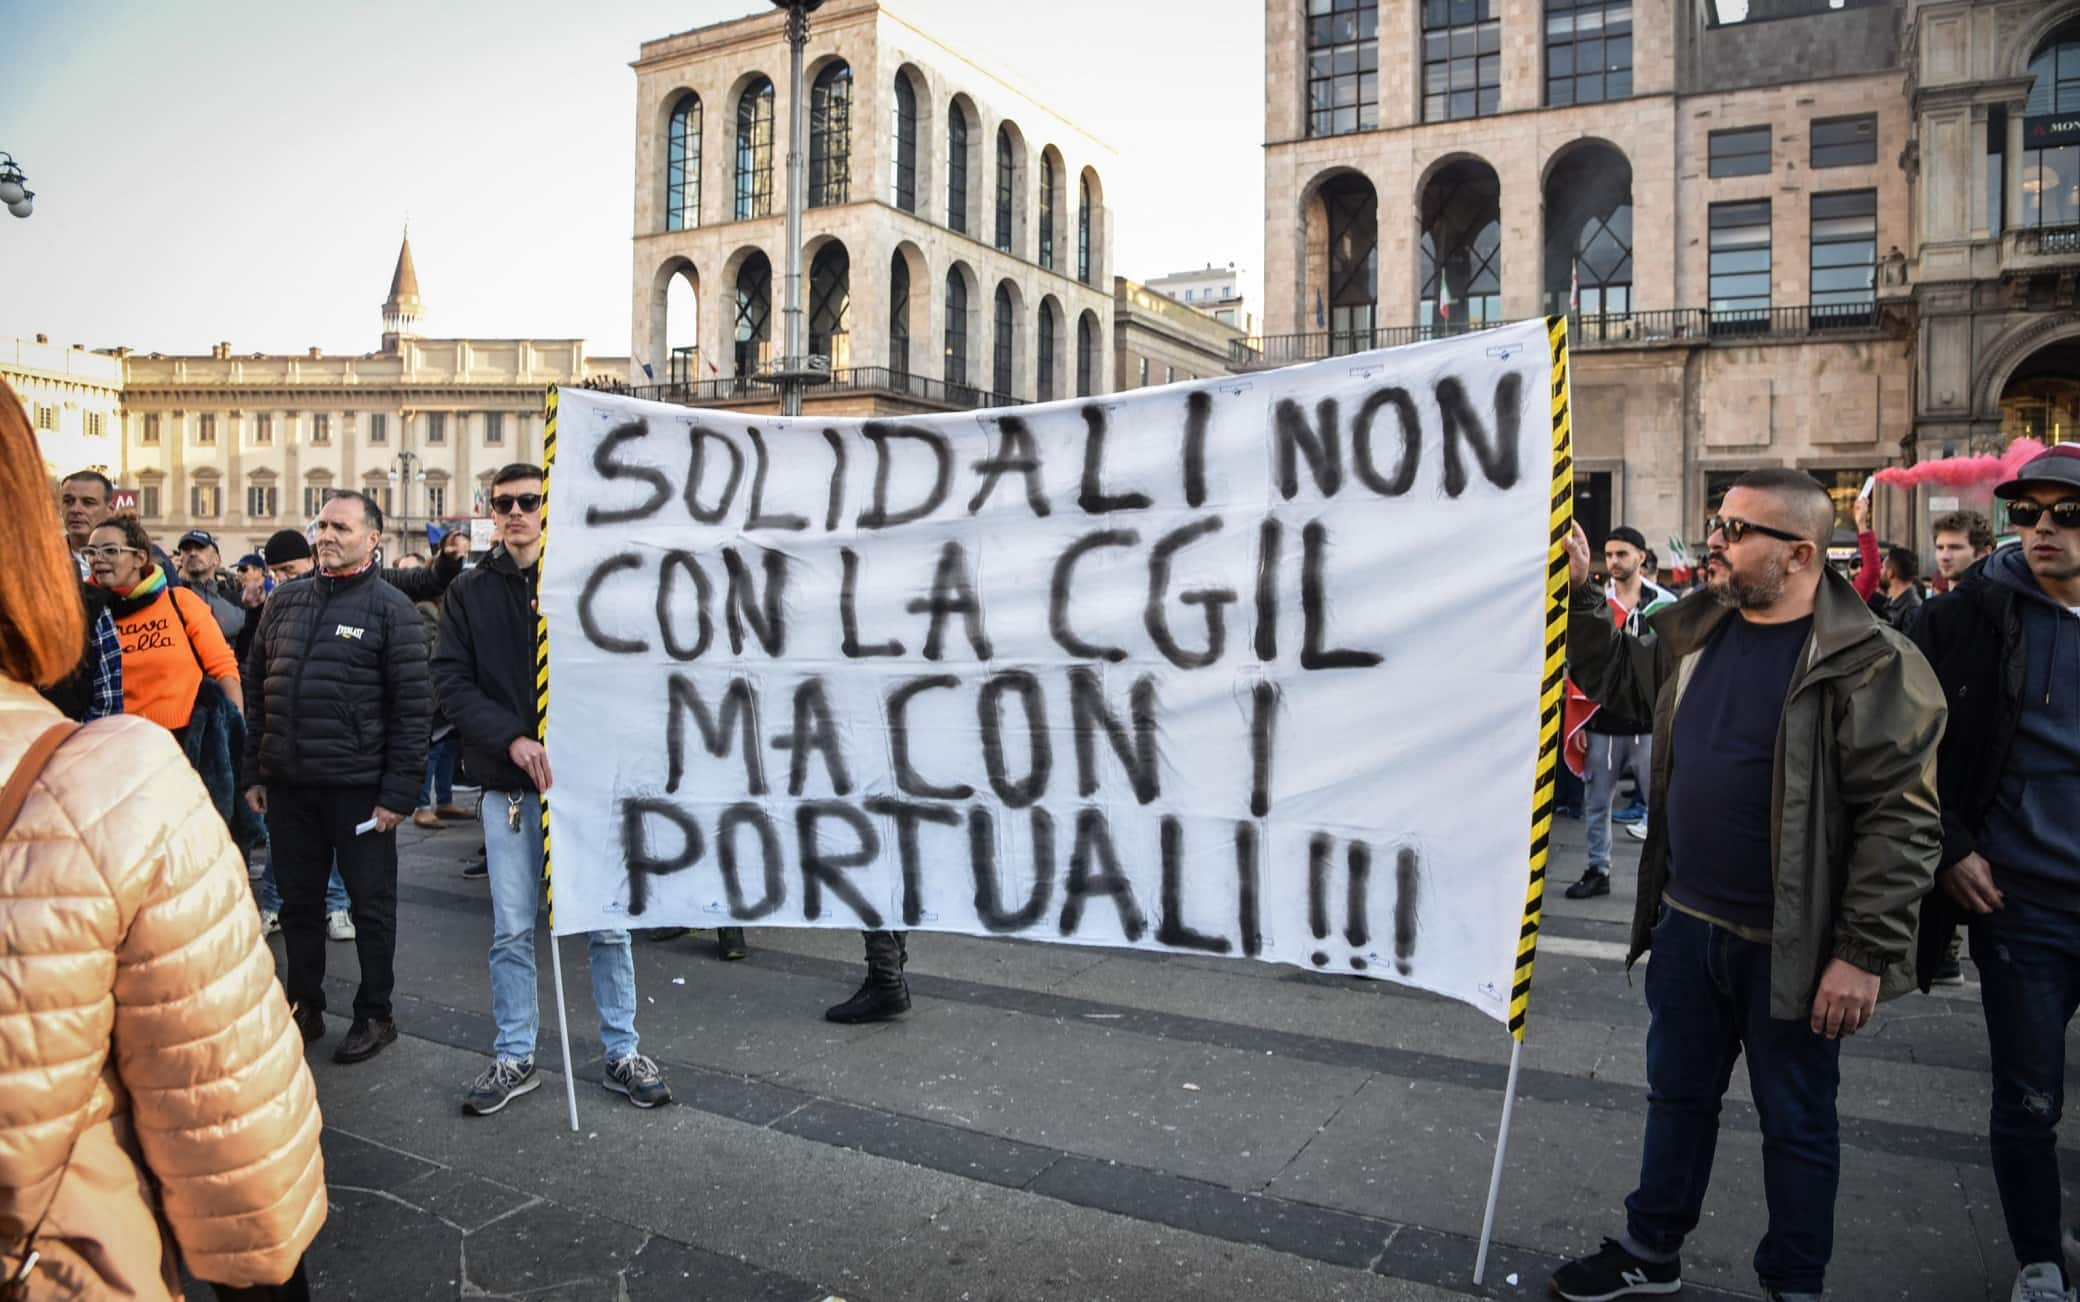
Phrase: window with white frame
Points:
(204, 501)
(494, 428)
(206, 427)
(260, 501)
(436, 427)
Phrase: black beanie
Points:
(1625, 533)
(286, 545)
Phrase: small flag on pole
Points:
(1444, 296)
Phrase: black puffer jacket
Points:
(337, 691)
(484, 667)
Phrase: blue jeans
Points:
(2029, 974)
(515, 862)
(1708, 997)
(271, 896)
(439, 787)
(1609, 758)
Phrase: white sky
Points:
(240, 169)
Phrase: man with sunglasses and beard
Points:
(483, 675)
(1793, 830)
(2006, 644)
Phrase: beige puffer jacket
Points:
(139, 1009)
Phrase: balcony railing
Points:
(1683, 325)
(848, 382)
(2048, 241)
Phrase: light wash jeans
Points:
(271, 898)
(1609, 758)
(515, 862)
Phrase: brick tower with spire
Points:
(403, 309)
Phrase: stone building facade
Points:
(1995, 94)
(956, 247)
(1712, 202)
(73, 398)
(245, 444)
(1222, 292)
(1159, 339)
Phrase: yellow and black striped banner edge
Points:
(541, 644)
(1551, 687)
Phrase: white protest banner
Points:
(1265, 665)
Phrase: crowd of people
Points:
(1833, 776)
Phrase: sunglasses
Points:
(109, 551)
(1735, 530)
(2066, 514)
(504, 503)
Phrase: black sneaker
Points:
(477, 871)
(310, 1021)
(502, 1082)
(872, 1002)
(637, 1077)
(730, 944)
(1592, 883)
(365, 1039)
(1613, 1272)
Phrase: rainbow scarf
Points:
(147, 586)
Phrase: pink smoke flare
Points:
(1963, 472)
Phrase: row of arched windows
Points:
(1005, 327)
(830, 164)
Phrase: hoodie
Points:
(2032, 830)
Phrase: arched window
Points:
(754, 323)
(1461, 258)
(682, 167)
(1006, 331)
(1043, 380)
(1047, 186)
(1007, 183)
(830, 305)
(905, 144)
(1349, 221)
(1083, 229)
(1086, 354)
(899, 315)
(956, 327)
(956, 169)
(1589, 236)
(830, 137)
(2051, 173)
(755, 151)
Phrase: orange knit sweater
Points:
(160, 673)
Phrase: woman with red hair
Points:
(159, 1109)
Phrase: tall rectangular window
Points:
(1739, 266)
(206, 427)
(1342, 66)
(95, 424)
(436, 500)
(260, 501)
(1845, 258)
(46, 416)
(148, 501)
(314, 496)
(378, 428)
(263, 430)
(1743, 151)
(1996, 170)
(494, 429)
(956, 169)
(1845, 142)
(1462, 59)
(1007, 188)
(151, 427)
(321, 428)
(1588, 51)
(203, 500)
(1141, 373)
(436, 428)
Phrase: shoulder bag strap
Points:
(12, 797)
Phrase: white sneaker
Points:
(2040, 1282)
(339, 924)
(1637, 831)
(270, 923)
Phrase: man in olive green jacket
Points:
(1793, 829)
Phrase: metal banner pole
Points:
(563, 1031)
(1509, 1104)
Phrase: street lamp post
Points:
(794, 370)
(14, 192)
(404, 474)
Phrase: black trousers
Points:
(308, 827)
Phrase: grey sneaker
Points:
(339, 924)
(499, 1085)
(270, 922)
(637, 1077)
(2040, 1281)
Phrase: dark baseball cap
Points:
(2054, 465)
(286, 545)
(252, 560)
(196, 538)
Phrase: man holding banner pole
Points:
(483, 670)
(1793, 829)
